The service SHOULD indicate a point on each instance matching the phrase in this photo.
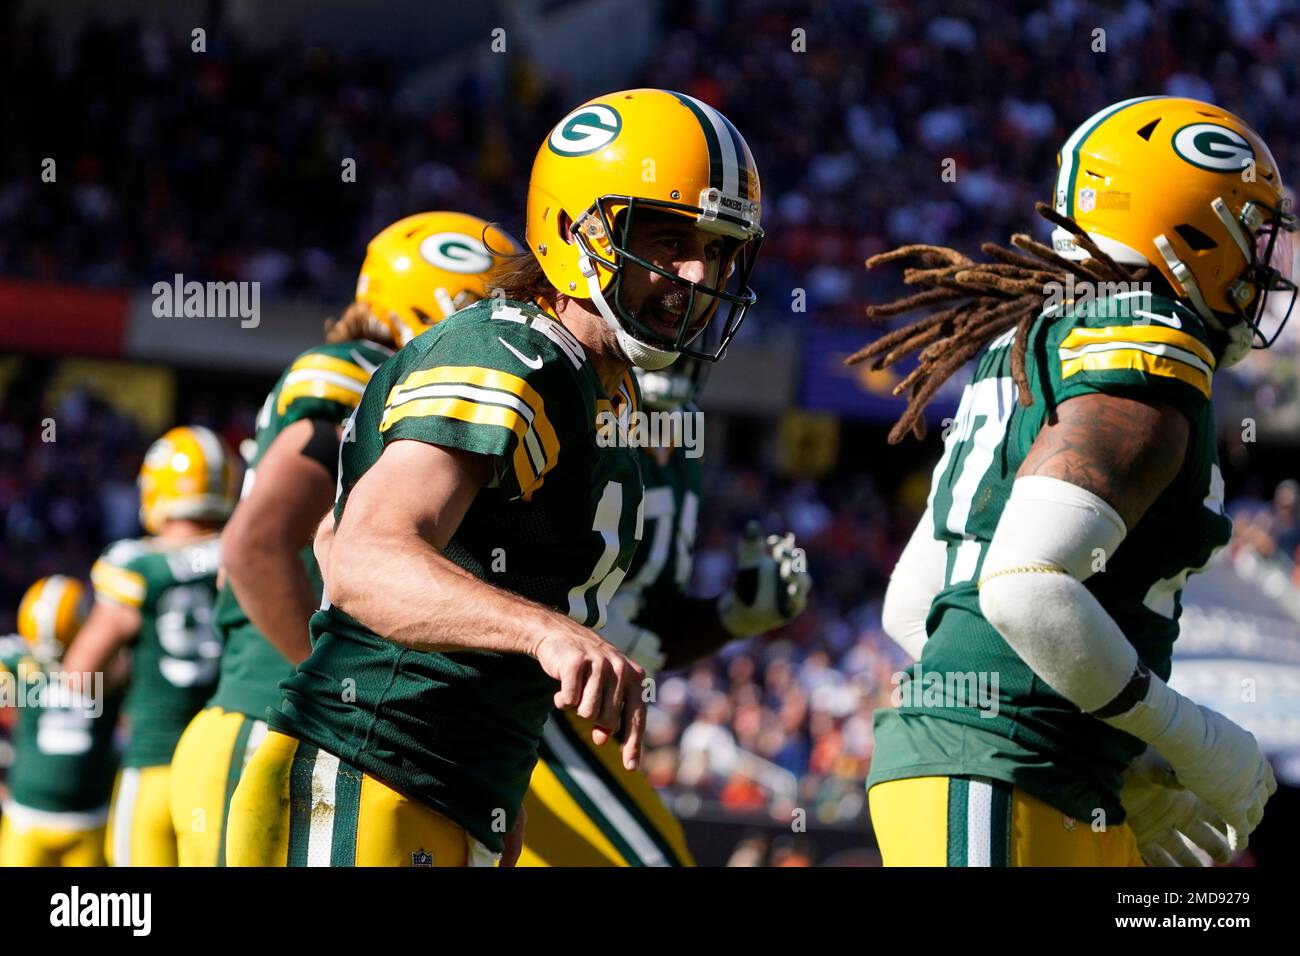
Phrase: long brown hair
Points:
(520, 278)
(981, 300)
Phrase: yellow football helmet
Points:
(188, 473)
(423, 268)
(1192, 190)
(651, 150)
(51, 613)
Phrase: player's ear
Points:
(565, 225)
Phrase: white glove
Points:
(637, 643)
(1168, 819)
(1214, 758)
(771, 585)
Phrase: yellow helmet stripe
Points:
(1140, 333)
(1067, 176)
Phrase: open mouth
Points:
(662, 322)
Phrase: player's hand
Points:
(1228, 771)
(597, 682)
(771, 586)
(513, 845)
(1165, 817)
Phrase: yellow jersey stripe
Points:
(485, 378)
(316, 388)
(1137, 360)
(475, 413)
(1140, 333)
(117, 584)
(327, 363)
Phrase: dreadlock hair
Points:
(980, 301)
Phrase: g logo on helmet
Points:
(1213, 147)
(455, 252)
(585, 130)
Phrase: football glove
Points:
(771, 586)
(637, 643)
(1168, 820)
(1214, 758)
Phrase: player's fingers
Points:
(611, 714)
(1155, 855)
(1213, 841)
(1177, 847)
(571, 677)
(590, 706)
(634, 721)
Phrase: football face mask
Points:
(694, 333)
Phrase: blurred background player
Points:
(479, 512)
(584, 808)
(64, 752)
(417, 271)
(1079, 487)
(154, 596)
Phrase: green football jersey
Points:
(661, 568)
(1019, 730)
(324, 383)
(176, 653)
(558, 523)
(65, 757)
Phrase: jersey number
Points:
(191, 651)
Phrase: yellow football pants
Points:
(206, 768)
(976, 821)
(24, 844)
(140, 820)
(298, 805)
(585, 809)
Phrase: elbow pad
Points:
(1050, 537)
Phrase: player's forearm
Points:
(403, 589)
(274, 591)
(915, 581)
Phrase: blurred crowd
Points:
(227, 164)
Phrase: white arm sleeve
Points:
(1050, 537)
(915, 580)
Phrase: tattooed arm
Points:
(1089, 477)
(1124, 451)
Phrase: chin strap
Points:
(635, 351)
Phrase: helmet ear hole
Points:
(565, 226)
(1196, 240)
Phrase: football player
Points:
(583, 807)
(481, 528)
(155, 595)
(416, 272)
(1078, 488)
(64, 754)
